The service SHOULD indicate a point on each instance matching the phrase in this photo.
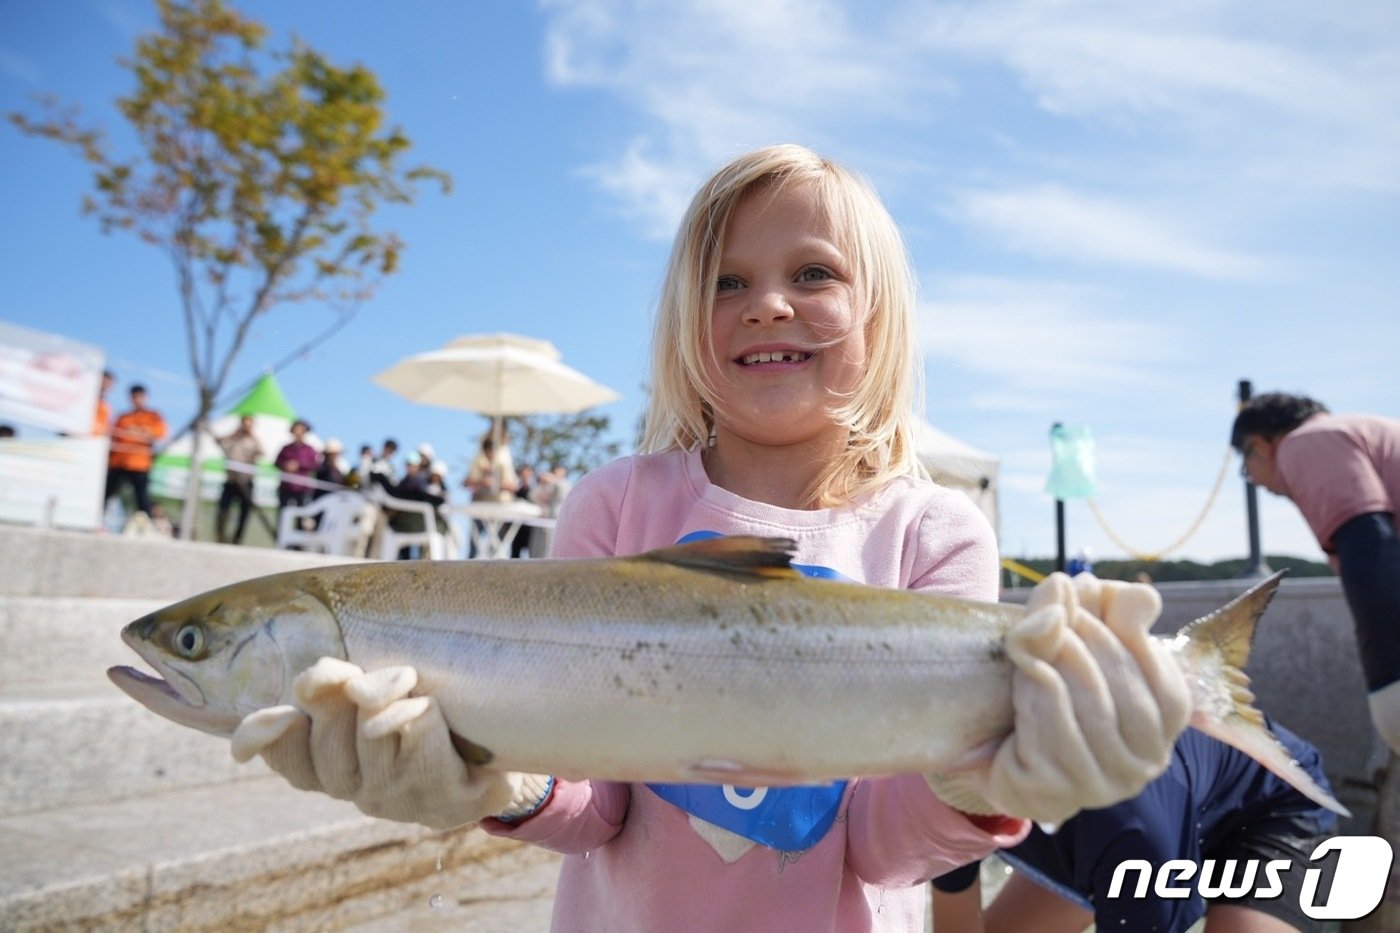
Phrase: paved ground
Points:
(509, 894)
(514, 894)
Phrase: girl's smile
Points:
(773, 356)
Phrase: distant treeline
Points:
(1175, 571)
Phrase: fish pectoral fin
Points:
(741, 555)
(470, 752)
(726, 771)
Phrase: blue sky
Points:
(1116, 211)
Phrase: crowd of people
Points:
(306, 473)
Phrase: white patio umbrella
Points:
(495, 375)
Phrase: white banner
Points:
(54, 482)
(48, 381)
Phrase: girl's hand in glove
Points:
(361, 737)
(1098, 705)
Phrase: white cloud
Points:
(1053, 221)
(21, 69)
(1204, 96)
(129, 21)
(1082, 57)
(1286, 89)
(653, 190)
(711, 79)
(1040, 340)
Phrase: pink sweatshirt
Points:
(638, 863)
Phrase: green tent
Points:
(265, 398)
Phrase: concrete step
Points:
(65, 640)
(63, 747)
(256, 855)
(512, 892)
(68, 563)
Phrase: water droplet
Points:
(439, 863)
(435, 902)
(587, 854)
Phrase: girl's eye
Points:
(813, 274)
(727, 283)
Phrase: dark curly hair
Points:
(1271, 415)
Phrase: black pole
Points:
(1255, 567)
(1059, 516)
(1060, 535)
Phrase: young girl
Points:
(784, 391)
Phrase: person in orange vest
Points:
(102, 417)
(133, 435)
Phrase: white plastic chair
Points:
(347, 521)
(439, 545)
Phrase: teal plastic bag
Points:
(1071, 463)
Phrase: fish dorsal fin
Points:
(743, 556)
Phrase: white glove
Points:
(361, 737)
(1098, 705)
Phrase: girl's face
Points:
(789, 338)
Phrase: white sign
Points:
(48, 381)
(53, 481)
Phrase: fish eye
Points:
(189, 641)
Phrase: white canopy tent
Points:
(959, 465)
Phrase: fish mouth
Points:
(161, 698)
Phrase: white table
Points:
(491, 527)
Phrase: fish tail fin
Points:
(1216, 648)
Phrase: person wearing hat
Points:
(424, 482)
(242, 451)
(298, 462)
(331, 472)
(436, 492)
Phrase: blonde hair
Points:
(880, 413)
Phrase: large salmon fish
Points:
(711, 662)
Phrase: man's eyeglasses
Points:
(1247, 451)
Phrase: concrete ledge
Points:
(257, 856)
(71, 563)
(70, 641)
(84, 749)
(512, 892)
